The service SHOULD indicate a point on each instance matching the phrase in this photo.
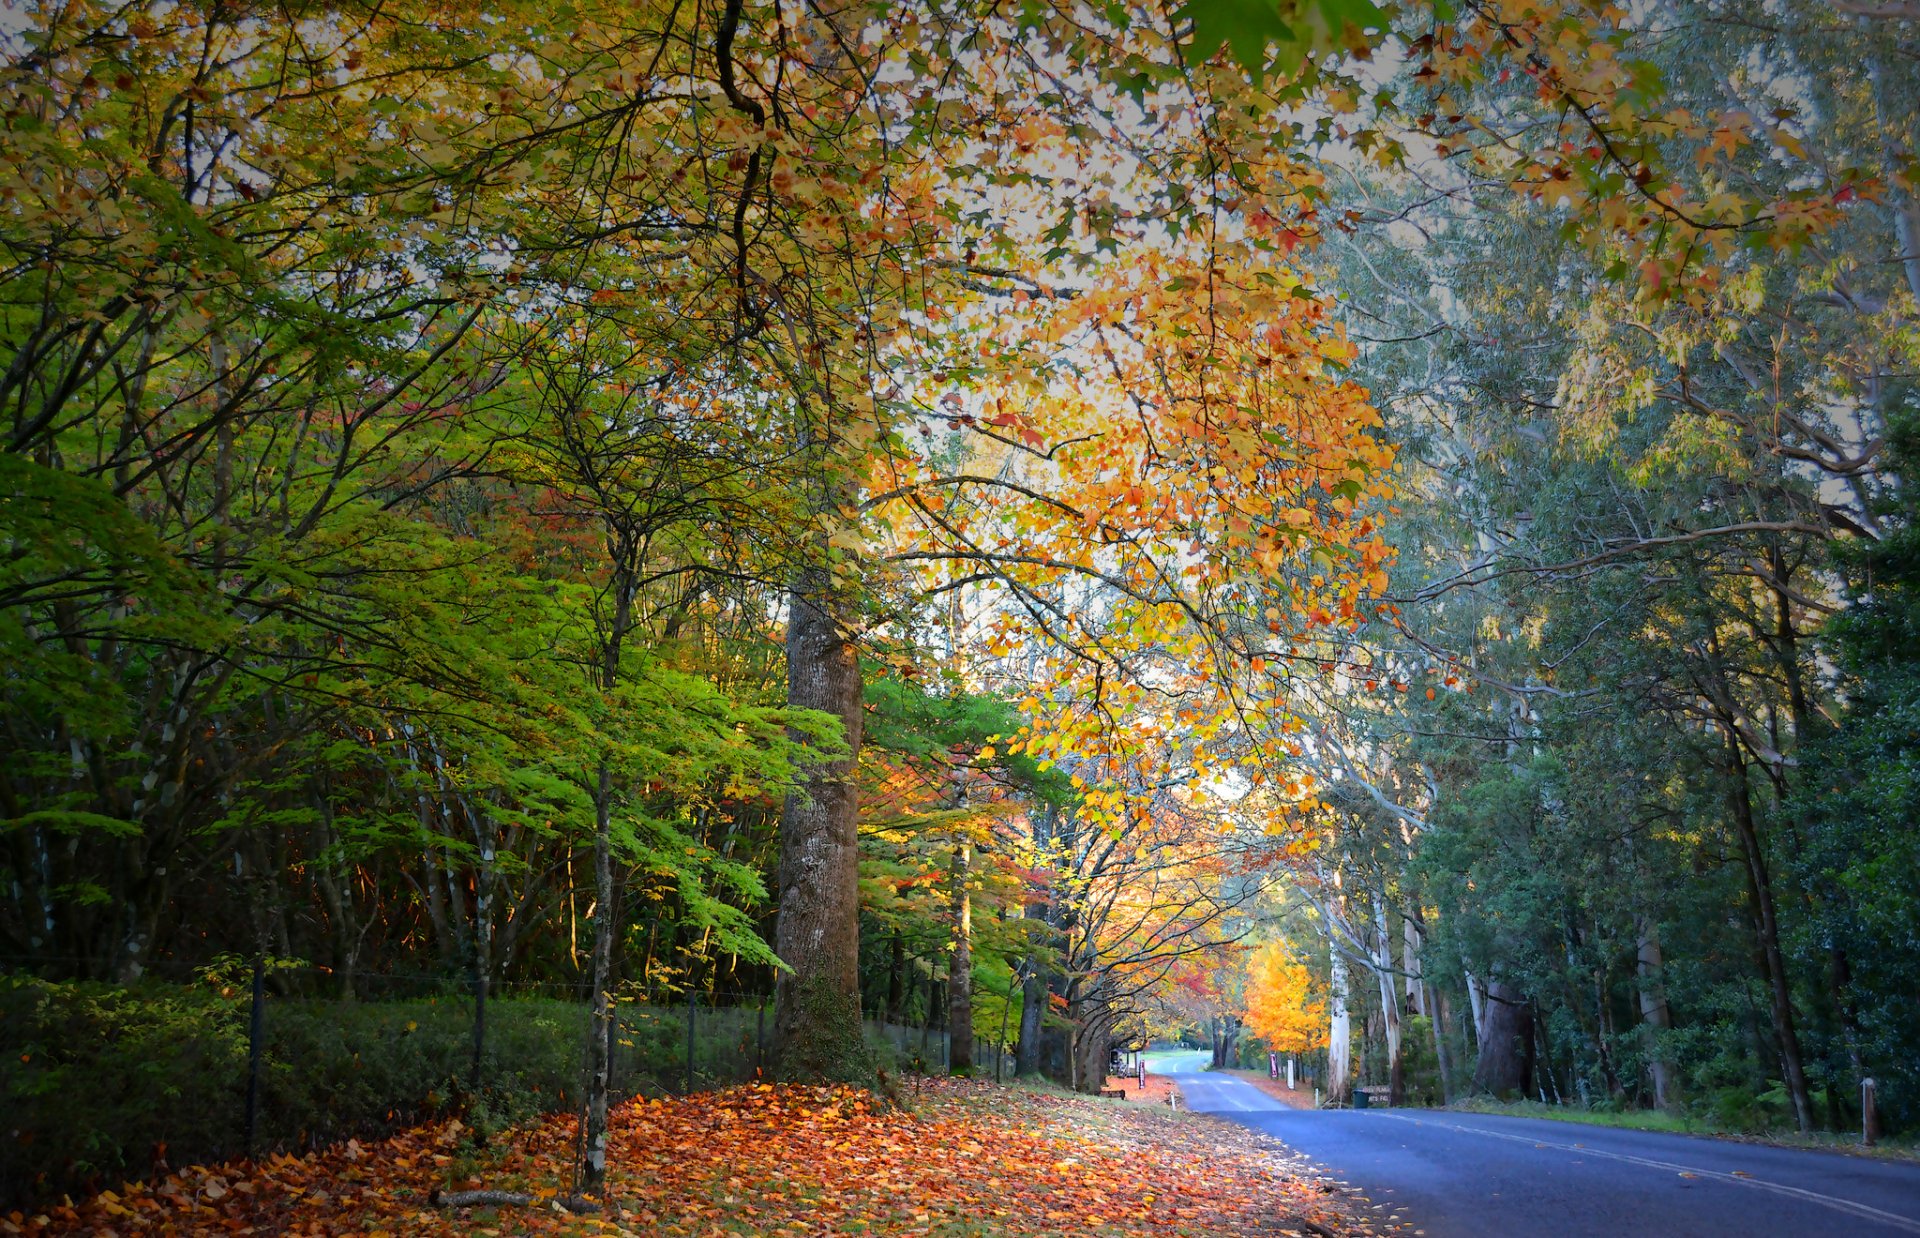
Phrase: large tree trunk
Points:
(817, 1003)
(1033, 1009)
(1339, 1033)
(1766, 926)
(960, 968)
(1506, 1042)
(1655, 1016)
(1389, 1006)
(1092, 1040)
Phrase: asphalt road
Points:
(1450, 1175)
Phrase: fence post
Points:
(1869, 1120)
(256, 1034)
(693, 1003)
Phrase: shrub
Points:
(99, 1081)
(95, 1080)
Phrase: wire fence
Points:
(929, 1050)
(101, 1083)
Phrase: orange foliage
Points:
(1282, 1007)
(765, 1159)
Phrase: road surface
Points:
(1451, 1175)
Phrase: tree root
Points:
(504, 1199)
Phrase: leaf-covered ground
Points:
(1156, 1092)
(955, 1158)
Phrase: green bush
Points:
(94, 1080)
(97, 1081)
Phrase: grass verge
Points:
(1687, 1124)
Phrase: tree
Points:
(1284, 1008)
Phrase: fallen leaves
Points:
(958, 1158)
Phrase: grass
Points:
(1684, 1123)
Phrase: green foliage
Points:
(95, 1078)
(165, 1067)
(1861, 795)
(914, 722)
(1280, 34)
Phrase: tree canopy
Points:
(992, 517)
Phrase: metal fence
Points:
(208, 1069)
(927, 1050)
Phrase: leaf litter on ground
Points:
(953, 1158)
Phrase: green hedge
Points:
(95, 1078)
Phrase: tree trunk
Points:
(960, 967)
(1092, 1042)
(1225, 1029)
(1034, 991)
(1339, 1033)
(1410, 964)
(1766, 925)
(1389, 1006)
(1442, 1054)
(1477, 999)
(897, 980)
(593, 1168)
(1506, 1042)
(817, 1004)
(1655, 1016)
(1033, 1009)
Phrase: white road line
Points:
(1218, 1095)
(1864, 1211)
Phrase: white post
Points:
(1289, 1074)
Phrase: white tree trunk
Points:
(1389, 1000)
(1339, 1033)
(1654, 1014)
(1410, 963)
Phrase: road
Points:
(1451, 1175)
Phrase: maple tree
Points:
(1282, 1008)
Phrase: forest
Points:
(1378, 532)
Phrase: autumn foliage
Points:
(766, 1159)
(1282, 1007)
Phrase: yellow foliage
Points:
(1282, 1007)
